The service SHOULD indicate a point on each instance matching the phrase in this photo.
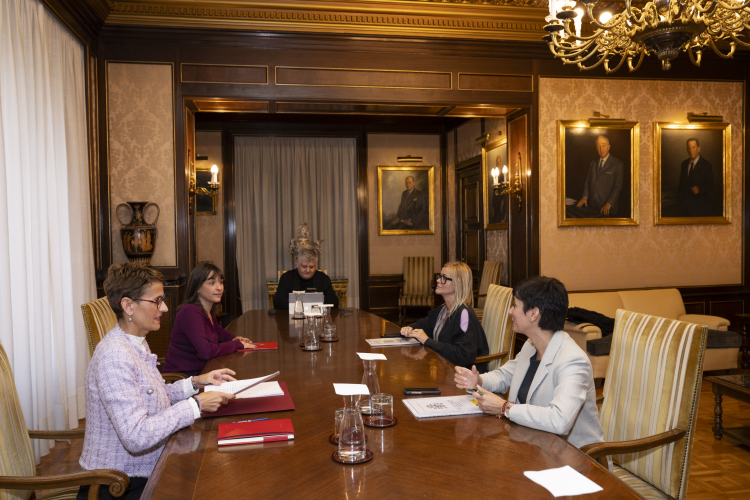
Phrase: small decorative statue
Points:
(303, 241)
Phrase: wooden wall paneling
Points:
(103, 222)
(495, 83)
(518, 220)
(217, 73)
(332, 77)
(533, 185)
(444, 196)
(190, 171)
(382, 295)
(728, 309)
(231, 274)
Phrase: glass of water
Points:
(352, 436)
(382, 410)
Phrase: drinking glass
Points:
(299, 310)
(311, 335)
(382, 409)
(352, 436)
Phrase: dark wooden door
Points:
(471, 229)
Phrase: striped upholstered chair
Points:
(498, 327)
(650, 402)
(17, 470)
(99, 319)
(416, 287)
(490, 276)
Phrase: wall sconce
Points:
(213, 185)
(704, 118)
(505, 187)
(409, 159)
(600, 120)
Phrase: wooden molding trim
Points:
(385, 17)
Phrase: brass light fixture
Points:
(213, 185)
(661, 27)
(506, 187)
(409, 159)
(704, 118)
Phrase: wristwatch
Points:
(195, 387)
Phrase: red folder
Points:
(255, 405)
(265, 431)
(262, 346)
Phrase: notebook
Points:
(392, 342)
(262, 346)
(239, 386)
(254, 405)
(263, 431)
(442, 406)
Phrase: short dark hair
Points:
(549, 296)
(198, 276)
(128, 280)
(697, 143)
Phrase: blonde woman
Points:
(453, 330)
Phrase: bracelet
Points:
(198, 400)
(195, 387)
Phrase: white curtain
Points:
(46, 254)
(282, 182)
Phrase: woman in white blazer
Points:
(551, 383)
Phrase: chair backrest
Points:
(282, 272)
(418, 275)
(490, 276)
(497, 324)
(99, 319)
(652, 386)
(15, 445)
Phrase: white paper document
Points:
(565, 481)
(351, 389)
(240, 386)
(262, 390)
(392, 341)
(371, 355)
(442, 406)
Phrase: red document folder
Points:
(262, 346)
(265, 431)
(255, 405)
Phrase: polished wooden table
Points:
(476, 456)
(736, 387)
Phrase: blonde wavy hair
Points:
(462, 284)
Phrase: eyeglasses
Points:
(443, 278)
(158, 300)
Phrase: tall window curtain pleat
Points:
(46, 251)
(281, 182)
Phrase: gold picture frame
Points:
(675, 201)
(577, 156)
(496, 206)
(392, 192)
(204, 204)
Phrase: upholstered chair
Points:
(99, 319)
(498, 327)
(416, 287)
(18, 478)
(650, 405)
(490, 276)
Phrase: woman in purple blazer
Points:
(196, 335)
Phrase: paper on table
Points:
(239, 386)
(371, 355)
(351, 389)
(393, 341)
(259, 391)
(564, 481)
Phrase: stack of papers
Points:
(442, 406)
(249, 386)
(563, 482)
(392, 341)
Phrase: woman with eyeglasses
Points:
(453, 330)
(197, 335)
(130, 411)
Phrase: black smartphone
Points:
(421, 391)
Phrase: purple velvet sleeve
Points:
(199, 335)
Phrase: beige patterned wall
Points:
(209, 229)
(450, 156)
(387, 252)
(467, 140)
(141, 150)
(596, 258)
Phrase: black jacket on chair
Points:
(459, 347)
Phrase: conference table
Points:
(474, 456)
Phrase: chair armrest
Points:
(490, 357)
(173, 377)
(478, 295)
(712, 322)
(600, 399)
(61, 435)
(597, 450)
(118, 481)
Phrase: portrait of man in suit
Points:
(691, 174)
(696, 182)
(404, 199)
(412, 211)
(603, 185)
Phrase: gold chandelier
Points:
(661, 27)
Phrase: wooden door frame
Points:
(461, 168)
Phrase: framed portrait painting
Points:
(494, 155)
(204, 204)
(406, 200)
(597, 174)
(692, 166)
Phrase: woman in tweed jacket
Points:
(130, 411)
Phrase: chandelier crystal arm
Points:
(734, 37)
(693, 59)
(729, 55)
(602, 58)
(630, 62)
(606, 64)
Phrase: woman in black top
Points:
(453, 330)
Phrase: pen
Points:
(254, 420)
